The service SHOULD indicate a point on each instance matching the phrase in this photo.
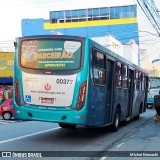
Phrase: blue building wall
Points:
(122, 32)
(119, 22)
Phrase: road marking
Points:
(3, 122)
(28, 135)
(120, 145)
(103, 158)
(8, 121)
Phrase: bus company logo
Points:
(47, 87)
(6, 154)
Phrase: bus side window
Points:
(99, 68)
(99, 60)
(99, 76)
(118, 76)
(124, 76)
(137, 80)
(142, 82)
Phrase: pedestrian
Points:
(157, 107)
(1, 94)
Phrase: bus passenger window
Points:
(137, 81)
(142, 83)
(124, 76)
(118, 75)
(99, 68)
(99, 76)
(99, 60)
(140, 80)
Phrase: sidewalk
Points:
(144, 142)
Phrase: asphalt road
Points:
(37, 137)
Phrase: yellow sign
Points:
(6, 64)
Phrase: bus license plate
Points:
(47, 100)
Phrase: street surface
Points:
(45, 136)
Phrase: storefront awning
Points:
(4, 80)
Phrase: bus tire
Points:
(116, 123)
(67, 125)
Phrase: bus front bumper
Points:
(150, 100)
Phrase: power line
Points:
(48, 3)
(150, 11)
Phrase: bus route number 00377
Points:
(64, 81)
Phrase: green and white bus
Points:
(154, 90)
(73, 80)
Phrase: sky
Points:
(12, 11)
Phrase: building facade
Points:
(111, 43)
(6, 75)
(6, 67)
(119, 22)
(153, 67)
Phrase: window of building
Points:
(112, 12)
(53, 17)
(68, 16)
(95, 14)
(118, 76)
(75, 16)
(117, 12)
(104, 13)
(90, 14)
(82, 15)
(125, 12)
(54, 20)
(60, 16)
(99, 68)
(133, 11)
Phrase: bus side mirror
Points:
(15, 44)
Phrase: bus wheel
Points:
(67, 125)
(116, 123)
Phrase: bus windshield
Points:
(155, 82)
(50, 54)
